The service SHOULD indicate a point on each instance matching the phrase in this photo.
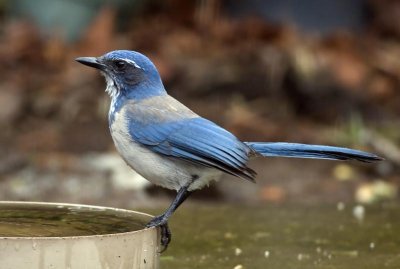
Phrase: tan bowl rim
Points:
(76, 206)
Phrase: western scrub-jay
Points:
(173, 147)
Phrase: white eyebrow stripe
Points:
(132, 63)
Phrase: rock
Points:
(10, 103)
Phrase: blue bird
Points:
(173, 147)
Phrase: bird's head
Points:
(128, 73)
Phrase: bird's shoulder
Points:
(157, 109)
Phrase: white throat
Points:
(111, 88)
(112, 91)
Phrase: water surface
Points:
(46, 221)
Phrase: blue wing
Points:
(196, 140)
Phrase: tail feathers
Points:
(295, 150)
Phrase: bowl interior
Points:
(29, 219)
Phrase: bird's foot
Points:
(161, 221)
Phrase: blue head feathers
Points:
(129, 74)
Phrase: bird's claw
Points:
(165, 232)
(165, 236)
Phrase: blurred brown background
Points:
(323, 72)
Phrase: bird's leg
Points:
(162, 219)
(183, 193)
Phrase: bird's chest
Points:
(158, 169)
(136, 155)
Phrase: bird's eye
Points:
(120, 65)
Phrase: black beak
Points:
(91, 61)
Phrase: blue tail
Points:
(295, 150)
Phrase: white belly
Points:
(160, 170)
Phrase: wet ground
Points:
(284, 236)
